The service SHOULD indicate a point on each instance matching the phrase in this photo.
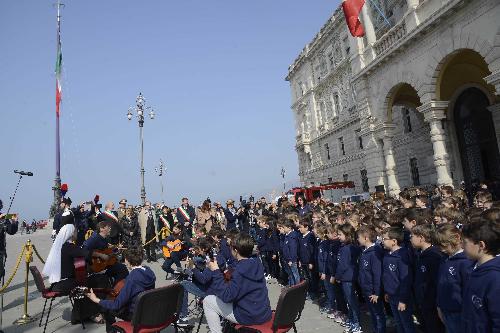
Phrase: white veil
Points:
(52, 267)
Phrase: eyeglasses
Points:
(386, 238)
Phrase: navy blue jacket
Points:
(307, 249)
(396, 276)
(246, 290)
(412, 252)
(324, 249)
(370, 271)
(225, 256)
(202, 276)
(453, 275)
(290, 247)
(426, 276)
(232, 219)
(139, 280)
(303, 210)
(264, 240)
(481, 302)
(347, 263)
(95, 242)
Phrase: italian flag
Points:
(352, 8)
(58, 76)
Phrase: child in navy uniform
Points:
(290, 251)
(453, 275)
(264, 244)
(481, 302)
(347, 272)
(324, 269)
(370, 276)
(397, 279)
(426, 276)
(307, 256)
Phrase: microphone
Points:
(24, 173)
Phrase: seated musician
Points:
(174, 249)
(200, 286)
(60, 269)
(141, 278)
(244, 298)
(99, 241)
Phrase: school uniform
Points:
(397, 281)
(264, 247)
(346, 273)
(453, 275)
(425, 283)
(225, 257)
(370, 281)
(307, 256)
(481, 301)
(290, 255)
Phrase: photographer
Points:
(7, 225)
(200, 286)
(232, 216)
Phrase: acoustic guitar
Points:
(98, 264)
(81, 279)
(172, 246)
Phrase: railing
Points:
(390, 38)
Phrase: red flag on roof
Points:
(352, 8)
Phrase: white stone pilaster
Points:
(385, 133)
(434, 112)
(494, 80)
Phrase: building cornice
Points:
(344, 160)
(336, 128)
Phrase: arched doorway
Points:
(476, 137)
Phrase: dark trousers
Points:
(452, 321)
(150, 250)
(404, 320)
(117, 272)
(175, 258)
(311, 276)
(110, 317)
(377, 315)
(431, 321)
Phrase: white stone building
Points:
(414, 102)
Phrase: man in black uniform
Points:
(6, 226)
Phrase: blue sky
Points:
(213, 70)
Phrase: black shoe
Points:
(182, 322)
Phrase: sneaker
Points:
(333, 314)
(324, 309)
(268, 277)
(356, 329)
(182, 322)
(341, 319)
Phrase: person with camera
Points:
(232, 216)
(243, 299)
(8, 225)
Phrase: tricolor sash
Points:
(165, 222)
(184, 213)
(111, 215)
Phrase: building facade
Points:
(416, 101)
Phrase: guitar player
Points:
(175, 247)
(99, 242)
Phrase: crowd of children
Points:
(426, 258)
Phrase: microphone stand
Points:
(4, 245)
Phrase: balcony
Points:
(390, 38)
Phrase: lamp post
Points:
(159, 170)
(140, 109)
(283, 176)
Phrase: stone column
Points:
(366, 20)
(495, 114)
(390, 166)
(412, 4)
(434, 112)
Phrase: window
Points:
(415, 177)
(360, 139)
(327, 148)
(406, 120)
(364, 181)
(347, 47)
(301, 89)
(330, 180)
(331, 59)
(341, 145)
(336, 102)
(345, 176)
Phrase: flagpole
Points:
(57, 181)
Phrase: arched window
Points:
(336, 102)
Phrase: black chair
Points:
(156, 309)
(46, 293)
(287, 313)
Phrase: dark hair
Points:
(103, 224)
(417, 215)
(369, 232)
(395, 233)
(305, 223)
(232, 233)
(447, 234)
(216, 231)
(484, 230)
(426, 231)
(243, 244)
(348, 231)
(134, 255)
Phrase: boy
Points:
(244, 298)
(426, 277)
(174, 246)
(481, 303)
(397, 280)
(370, 276)
(141, 278)
(290, 251)
(307, 256)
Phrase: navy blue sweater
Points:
(290, 247)
(370, 270)
(247, 291)
(265, 240)
(481, 302)
(396, 276)
(307, 248)
(225, 256)
(453, 275)
(95, 242)
(139, 280)
(347, 263)
(324, 250)
(426, 276)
